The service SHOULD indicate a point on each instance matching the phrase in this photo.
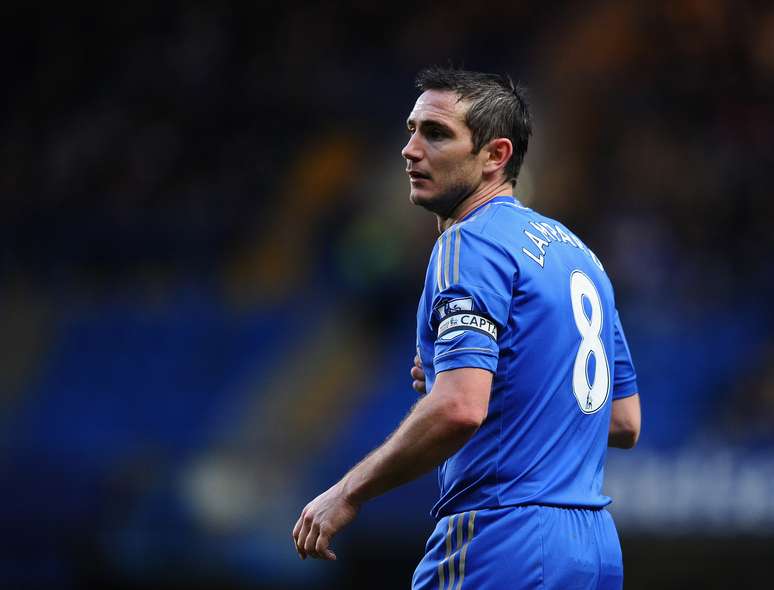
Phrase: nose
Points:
(411, 151)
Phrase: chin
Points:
(416, 199)
(443, 203)
(421, 197)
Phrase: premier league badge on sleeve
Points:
(454, 306)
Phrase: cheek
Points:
(464, 169)
(451, 166)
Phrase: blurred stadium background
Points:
(209, 271)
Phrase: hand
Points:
(320, 520)
(418, 375)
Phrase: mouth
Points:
(415, 175)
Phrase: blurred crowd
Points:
(163, 136)
(196, 139)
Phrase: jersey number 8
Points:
(591, 395)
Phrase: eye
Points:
(435, 134)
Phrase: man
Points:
(520, 348)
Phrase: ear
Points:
(499, 152)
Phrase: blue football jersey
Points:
(516, 293)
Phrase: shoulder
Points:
(495, 227)
(478, 248)
(478, 234)
(499, 214)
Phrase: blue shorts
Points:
(522, 547)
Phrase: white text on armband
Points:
(456, 324)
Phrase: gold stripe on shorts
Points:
(441, 573)
(450, 559)
(471, 520)
(460, 518)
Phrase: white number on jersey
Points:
(590, 397)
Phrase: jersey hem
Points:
(592, 508)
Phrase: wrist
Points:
(351, 493)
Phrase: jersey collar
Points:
(499, 199)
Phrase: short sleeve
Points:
(472, 303)
(625, 377)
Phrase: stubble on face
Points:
(444, 203)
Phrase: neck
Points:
(483, 194)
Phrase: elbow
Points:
(624, 437)
(629, 438)
(625, 422)
(465, 419)
(461, 398)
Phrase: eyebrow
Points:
(430, 123)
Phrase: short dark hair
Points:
(498, 108)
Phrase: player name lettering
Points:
(543, 234)
(466, 321)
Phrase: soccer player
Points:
(525, 364)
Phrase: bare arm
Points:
(625, 422)
(438, 426)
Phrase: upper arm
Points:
(625, 383)
(464, 394)
(472, 301)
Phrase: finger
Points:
(311, 541)
(417, 361)
(418, 374)
(419, 386)
(297, 528)
(302, 535)
(295, 534)
(322, 549)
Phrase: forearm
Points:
(428, 436)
